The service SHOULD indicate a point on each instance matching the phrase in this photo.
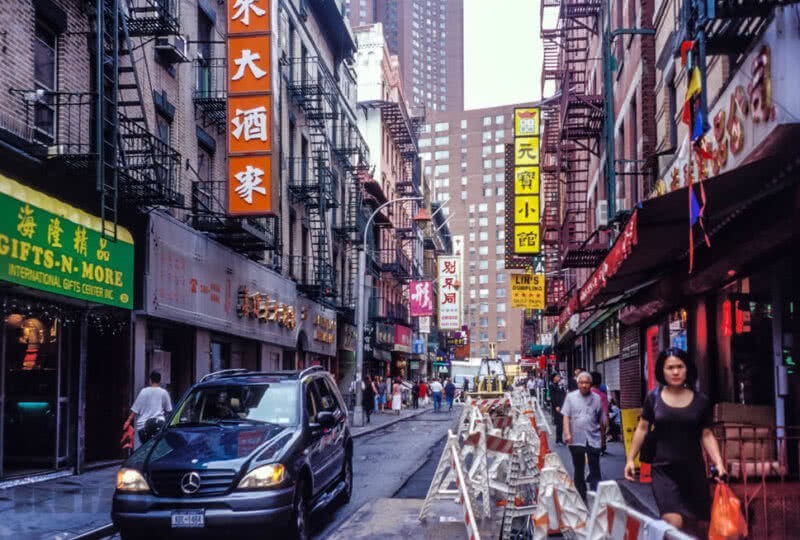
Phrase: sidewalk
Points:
(72, 506)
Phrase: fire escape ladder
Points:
(107, 20)
(150, 18)
(210, 91)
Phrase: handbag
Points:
(648, 451)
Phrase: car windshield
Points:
(274, 403)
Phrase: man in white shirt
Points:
(436, 390)
(584, 423)
(152, 404)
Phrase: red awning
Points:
(656, 238)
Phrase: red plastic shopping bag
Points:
(727, 520)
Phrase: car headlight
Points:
(262, 477)
(131, 480)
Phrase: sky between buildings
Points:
(502, 52)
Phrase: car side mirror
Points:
(326, 419)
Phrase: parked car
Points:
(243, 451)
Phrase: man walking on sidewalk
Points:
(449, 393)
(436, 390)
(557, 395)
(150, 409)
(584, 425)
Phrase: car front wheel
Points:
(299, 526)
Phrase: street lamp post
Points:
(361, 308)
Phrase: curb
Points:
(100, 532)
(389, 423)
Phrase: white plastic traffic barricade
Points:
(560, 507)
(611, 518)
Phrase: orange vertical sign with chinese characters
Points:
(249, 56)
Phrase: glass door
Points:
(31, 393)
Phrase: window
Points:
(483, 250)
(484, 308)
(484, 293)
(483, 265)
(424, 143)
(463, 195)
(487, 149)
(487, 120)
(463, 180)
(500, 292)
(441, 169)
(44, 74)
(499, 264)
(472, 280)
(441, 126)
(499, 148)
(163, 129)
(484, 236)
(484, 350)
(471, 222)
(501, 307)
(487, 178)
(486, 136)
(483, 322)
(425, 156)
(472, 209)
(463, 124)
(484, 336)
(501, 335)
(499, 134)
(442, 154)
(483, 222)
(482, 207)
(472, 294)
(441, 141)
(500, 162)
(499, 119)
(501, 191)
(501, 322)
(463, 140)
(499, 207)
(500, 177)
(500, 278)
(472, 237)
(484, 279)
(500, 221)
(500, 249)
(500, 234)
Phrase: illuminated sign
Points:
(249, 108)
(527, 291)
(51, 246)
(523, 183)
(449, 293)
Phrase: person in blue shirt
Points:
(449, 393)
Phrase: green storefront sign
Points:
(48, 245)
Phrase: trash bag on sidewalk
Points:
(727, 520)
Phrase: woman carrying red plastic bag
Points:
(727, 521)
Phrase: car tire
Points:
(299, 527)
(347, 477)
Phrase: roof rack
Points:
(223, 373)
(308, 370)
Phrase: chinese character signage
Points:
(402, 338)
(527, 291)
(249, 107)
(424, 325)
(51, 246)
(421, 298)
(523, 187)
(449, 293)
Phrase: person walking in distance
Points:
(423, 392)
(449, 393)
(583, 427)
(681, 418)
(382, 393)
(397, 397)
(436, 391)
(597, 382)
(415, 395)
(572, 384)
(368, 396)
(150, 409)
(557, 395)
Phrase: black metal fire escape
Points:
(210, 94)
(314, 90)
(132, 164)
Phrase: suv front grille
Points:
(212, 482)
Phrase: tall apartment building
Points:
(464, 154)
(428, 37)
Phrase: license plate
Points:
(188, 519)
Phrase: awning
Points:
(656, 237)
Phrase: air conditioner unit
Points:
(56, 150)
(172, 49)
(601, 214)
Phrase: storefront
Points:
(208, 308)
(316, 339)
(401, 351)
(65, 292)
(346, 356)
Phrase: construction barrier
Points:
(560, 507)
(448, 472)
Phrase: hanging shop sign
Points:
(193, 280)
(449, 293)
(48, 245)
(402, 338)
(421, 298)
(249, 55)
(347, 337)
(419, 346)
(424, 325)
(760, 97)
(527, 291)
(523, 214)
(324, 329)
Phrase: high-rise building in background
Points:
(428, 37)
(462, 152)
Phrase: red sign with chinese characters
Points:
(421, 298)
(249, 107)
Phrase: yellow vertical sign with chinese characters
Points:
(527, 291)
(526, 207)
